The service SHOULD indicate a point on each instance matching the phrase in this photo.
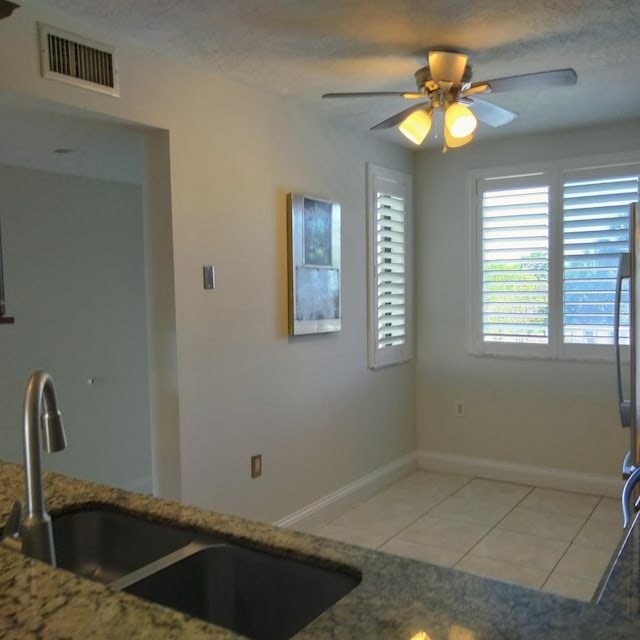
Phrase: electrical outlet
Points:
(256, 466)
(459, 409)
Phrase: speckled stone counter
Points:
(397, 598)
(620, 589)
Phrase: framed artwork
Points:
(313, 227)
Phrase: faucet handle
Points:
(11, 532)
(12, 528)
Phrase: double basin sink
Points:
(259, 594)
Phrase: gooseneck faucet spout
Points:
(40, 409)
(627, 493)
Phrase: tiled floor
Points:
(551, 540)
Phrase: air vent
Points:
(78, 61)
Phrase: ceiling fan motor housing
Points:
(426, 83)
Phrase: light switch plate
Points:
(256, 465)
(209, 276)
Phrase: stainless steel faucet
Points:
(629, 496)
(32, 533)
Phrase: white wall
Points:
(74, 271)
(561, 415)
(320, 418)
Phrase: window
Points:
(389, 266)
(546, 259)
(515, 261)
(595, 233)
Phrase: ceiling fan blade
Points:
(399, 117)
(539, 80)
(409, 95)
(488, 112)
(478, 87)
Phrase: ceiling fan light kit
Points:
(459, 120)
(416, 126)
(446, 84)
(459, 125)
(451, 142)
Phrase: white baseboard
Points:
(547, 477)
(335, 503)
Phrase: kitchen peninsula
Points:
(396, 599)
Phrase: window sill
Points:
(600, 359)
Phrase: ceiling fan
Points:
(445, 85)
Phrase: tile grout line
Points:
(584, 524)
(445, 497)
(424, 513)
(421, 516)
(455, 492)
(515, 564)
(494, 527)
(362, 502)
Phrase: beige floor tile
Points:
(441, 482)
(600, 533)
(382, 508)
(351, 536)
(555, 526)
(380, 519)
(506, 493)
(579, 505)
(505, 571)
(587, 563)
(411, 495)
(570, 587)
(608, 510)
(447, 519)
(520, 548)
(421, 500)
(422, 552)
(441, 532)
(470, 510)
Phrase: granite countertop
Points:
(397, 598)
(620, 588)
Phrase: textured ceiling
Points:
(303, 48)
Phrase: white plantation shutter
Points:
(390, 325)
(546, 257)
(390, 270)
(515, 261)
(595, 232)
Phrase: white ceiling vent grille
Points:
(84, 63)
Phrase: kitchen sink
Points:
(104, 545)
(260, 594)
(257, 594)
